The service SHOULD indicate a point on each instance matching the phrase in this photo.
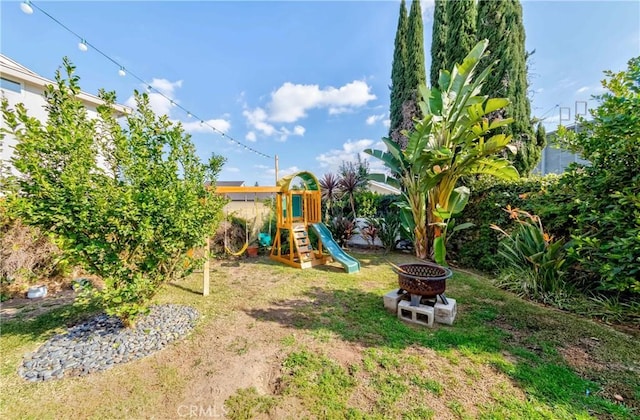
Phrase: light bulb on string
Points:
(189, 115)
(82, 46)
(26, 7)
(148, 88)
(121, 72)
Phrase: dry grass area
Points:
(277, 342)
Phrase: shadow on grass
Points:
(46, 325)
(359, 316)
(184, 288)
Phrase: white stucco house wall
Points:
(383, 189)
(20, 85)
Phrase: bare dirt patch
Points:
(30, 308)
(579, 358)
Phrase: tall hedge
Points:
(477, 246)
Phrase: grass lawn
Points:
(277, 342)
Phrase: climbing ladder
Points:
(303, 246)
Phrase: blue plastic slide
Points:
(350, 264)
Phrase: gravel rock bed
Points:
(103, 342)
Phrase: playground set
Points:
(298, 210)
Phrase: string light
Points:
(83, 45)
(26, 8)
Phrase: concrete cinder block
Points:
(391, 300)
(446, 314)
(421, 315)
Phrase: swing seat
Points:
(264, 239)
(237, 253)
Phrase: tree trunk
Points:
(421, 243)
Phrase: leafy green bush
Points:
(126, 201)
(389, 231)
(606, 238)
(342, 229)
(477, 246)
(367, 203)
(532, 255)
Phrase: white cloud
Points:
(372, 119)
(333, 159)
(158, 103)
(290, 102)
(257, 119)
(427, 9)
(251, 136)
(269, 173)
(198, 127)
(165, 86)
(162, 100)
(593, 90)
(232, 169)
(386, 123)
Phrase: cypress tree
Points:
(461, 27)
(501, 23)
(439, 35)
(416, 74)
(398, 70)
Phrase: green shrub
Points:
(532, 255)
(131, 219)
(606, 238)
(389, 231)
(477, 246)
(342, 229)
(367, 203)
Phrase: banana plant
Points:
(461, 141)
(453, 139)
(406, 171)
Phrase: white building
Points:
(554, 159)
(20, 85)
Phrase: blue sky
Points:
(304, 80)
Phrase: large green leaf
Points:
(393, 164)
(385, 179)
(393, 148)
(500, 168)
(463, 226)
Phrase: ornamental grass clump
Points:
(532, 261)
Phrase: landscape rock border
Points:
(103, 342)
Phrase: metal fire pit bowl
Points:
(423, 279)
